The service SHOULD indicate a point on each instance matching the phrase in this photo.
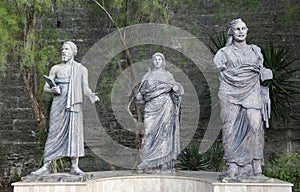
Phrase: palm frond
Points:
(211, 160)
(282, 86)
(218, 41)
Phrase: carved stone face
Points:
(67, 53)
(240, 31)
(157, 62)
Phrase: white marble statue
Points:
(68, 82)
(161, 96)
(245, 104)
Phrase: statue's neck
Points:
(157, 69)
(240, 45)
(69, 62)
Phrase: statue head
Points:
(73, 46)
(158, 60)
(237, 31)
(69, 50)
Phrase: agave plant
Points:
(211, 160)
(190, 159)
(282, 86)
(218, 41)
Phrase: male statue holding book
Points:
(68, 81)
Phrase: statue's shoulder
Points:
(79, 66)
(83, 69)
(169, 74)
(223, 50)
(221, 53)
(57, 66)
(257, 51)
(145, 76)
(255, 47)
(77, 63)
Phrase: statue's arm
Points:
(139, 96)
(265, 74)
(220, 60)
(86, 89)
(52, 75)
(177, 87)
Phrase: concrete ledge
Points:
(126, 181)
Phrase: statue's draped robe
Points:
(244, 103)
(65, 137)
(160, 143)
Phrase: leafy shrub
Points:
(282, 86)
(190, 159)
(285, 167)
(214, 158)
(211, 160)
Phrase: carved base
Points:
(58, 177)
(224, 178)
(127, 181)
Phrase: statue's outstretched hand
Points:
(178, 88)
(93, 97)
(266, 74)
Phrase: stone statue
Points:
(245, 104)
(67, 81)
(161, 97)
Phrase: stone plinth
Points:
(126, 181)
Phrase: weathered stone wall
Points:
(18, 128)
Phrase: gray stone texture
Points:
(18, 126)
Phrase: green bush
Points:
(190, 159)
(283, 87)
(211, 160)
(286, 167)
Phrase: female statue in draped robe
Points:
(161, 95)
(245, 104)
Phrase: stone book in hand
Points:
(50, 81)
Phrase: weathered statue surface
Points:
(245, 104)
(161, 96)
(67, 81)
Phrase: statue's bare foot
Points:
(43, 170)
(76, 171)
(227, 178)
(230, 175)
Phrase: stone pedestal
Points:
(126, 181)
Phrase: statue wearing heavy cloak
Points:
(162, 98)
(245, 103)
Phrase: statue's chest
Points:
(64, 71)
(239, 57)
